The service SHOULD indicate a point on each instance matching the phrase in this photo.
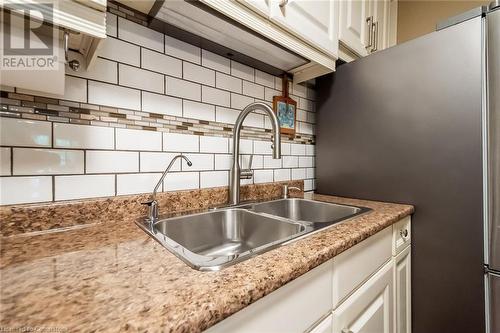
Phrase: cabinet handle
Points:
(375, 36)
(346, 330)
(404, 233)
(283, 3)
(369, 23)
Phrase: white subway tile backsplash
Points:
(270, 93)
(111, 95)
(281, 175)
(184, 89)
(180, 142)
(272, 163)
(246, 146)
(156, 162)
(305, 162)
(19, 190)
(278, 83)
(129, 139)
(298, 174)
(228, 82)
(225, 115)
(182, 50)
(111, 161)
(20, 132)
(310, 149)
(102, 70)
(285, 148)
(215, 61)
(4, 161)
(215, 96)
(137, 183)
(252, 89)
(36, 161)
(200, 162)
(302, 115)
(214, 179)
(162, 104)
(262, 176)
(310, 172)
(75, 89)
(290, 161)
(111, 25)
(223, 162)
(83, 136)
(120, 51)
(242, 71)
(138, 34)
(85, 186)
(181, 181)
(262, 147)
(264, 79)
(198, 74)
(305, 128)
(139, 69)
(212, 144)
(308, 185)
(195, 110)
(141, 79)
(299, 90)
(298, 149)
(161, 63)
(254, 120)
(239, 102)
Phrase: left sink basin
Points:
(215, 239)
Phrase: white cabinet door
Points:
(380, 12)
(262, 7)
(402, 271)
(325, 326)
(354, 30)
(370, 308)
(314, 21)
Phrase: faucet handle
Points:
(152, 210)
(247, 173)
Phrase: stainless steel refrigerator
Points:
(419, 123)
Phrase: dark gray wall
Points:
(403, 125)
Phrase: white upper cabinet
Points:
(380, 27)
(367, 26)
(314, 21)
(262, 7)
(355, 25)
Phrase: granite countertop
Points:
(113, 277)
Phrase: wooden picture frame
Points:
(286, 110)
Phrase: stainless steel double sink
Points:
(222, 237)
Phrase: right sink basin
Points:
(309, 211)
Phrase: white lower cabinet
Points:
(402, 280)
(365, 289)
(325, 326)
(370, 308)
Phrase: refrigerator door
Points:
(493, 90)
(493, 294)
(404, 125)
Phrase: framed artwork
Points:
(286, 111)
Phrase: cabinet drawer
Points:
(295, 307)
(401, 235)
(354, 266)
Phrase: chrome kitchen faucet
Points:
(235, 173)
(152, 203)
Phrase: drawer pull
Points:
(403, 233)
(346, 330)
